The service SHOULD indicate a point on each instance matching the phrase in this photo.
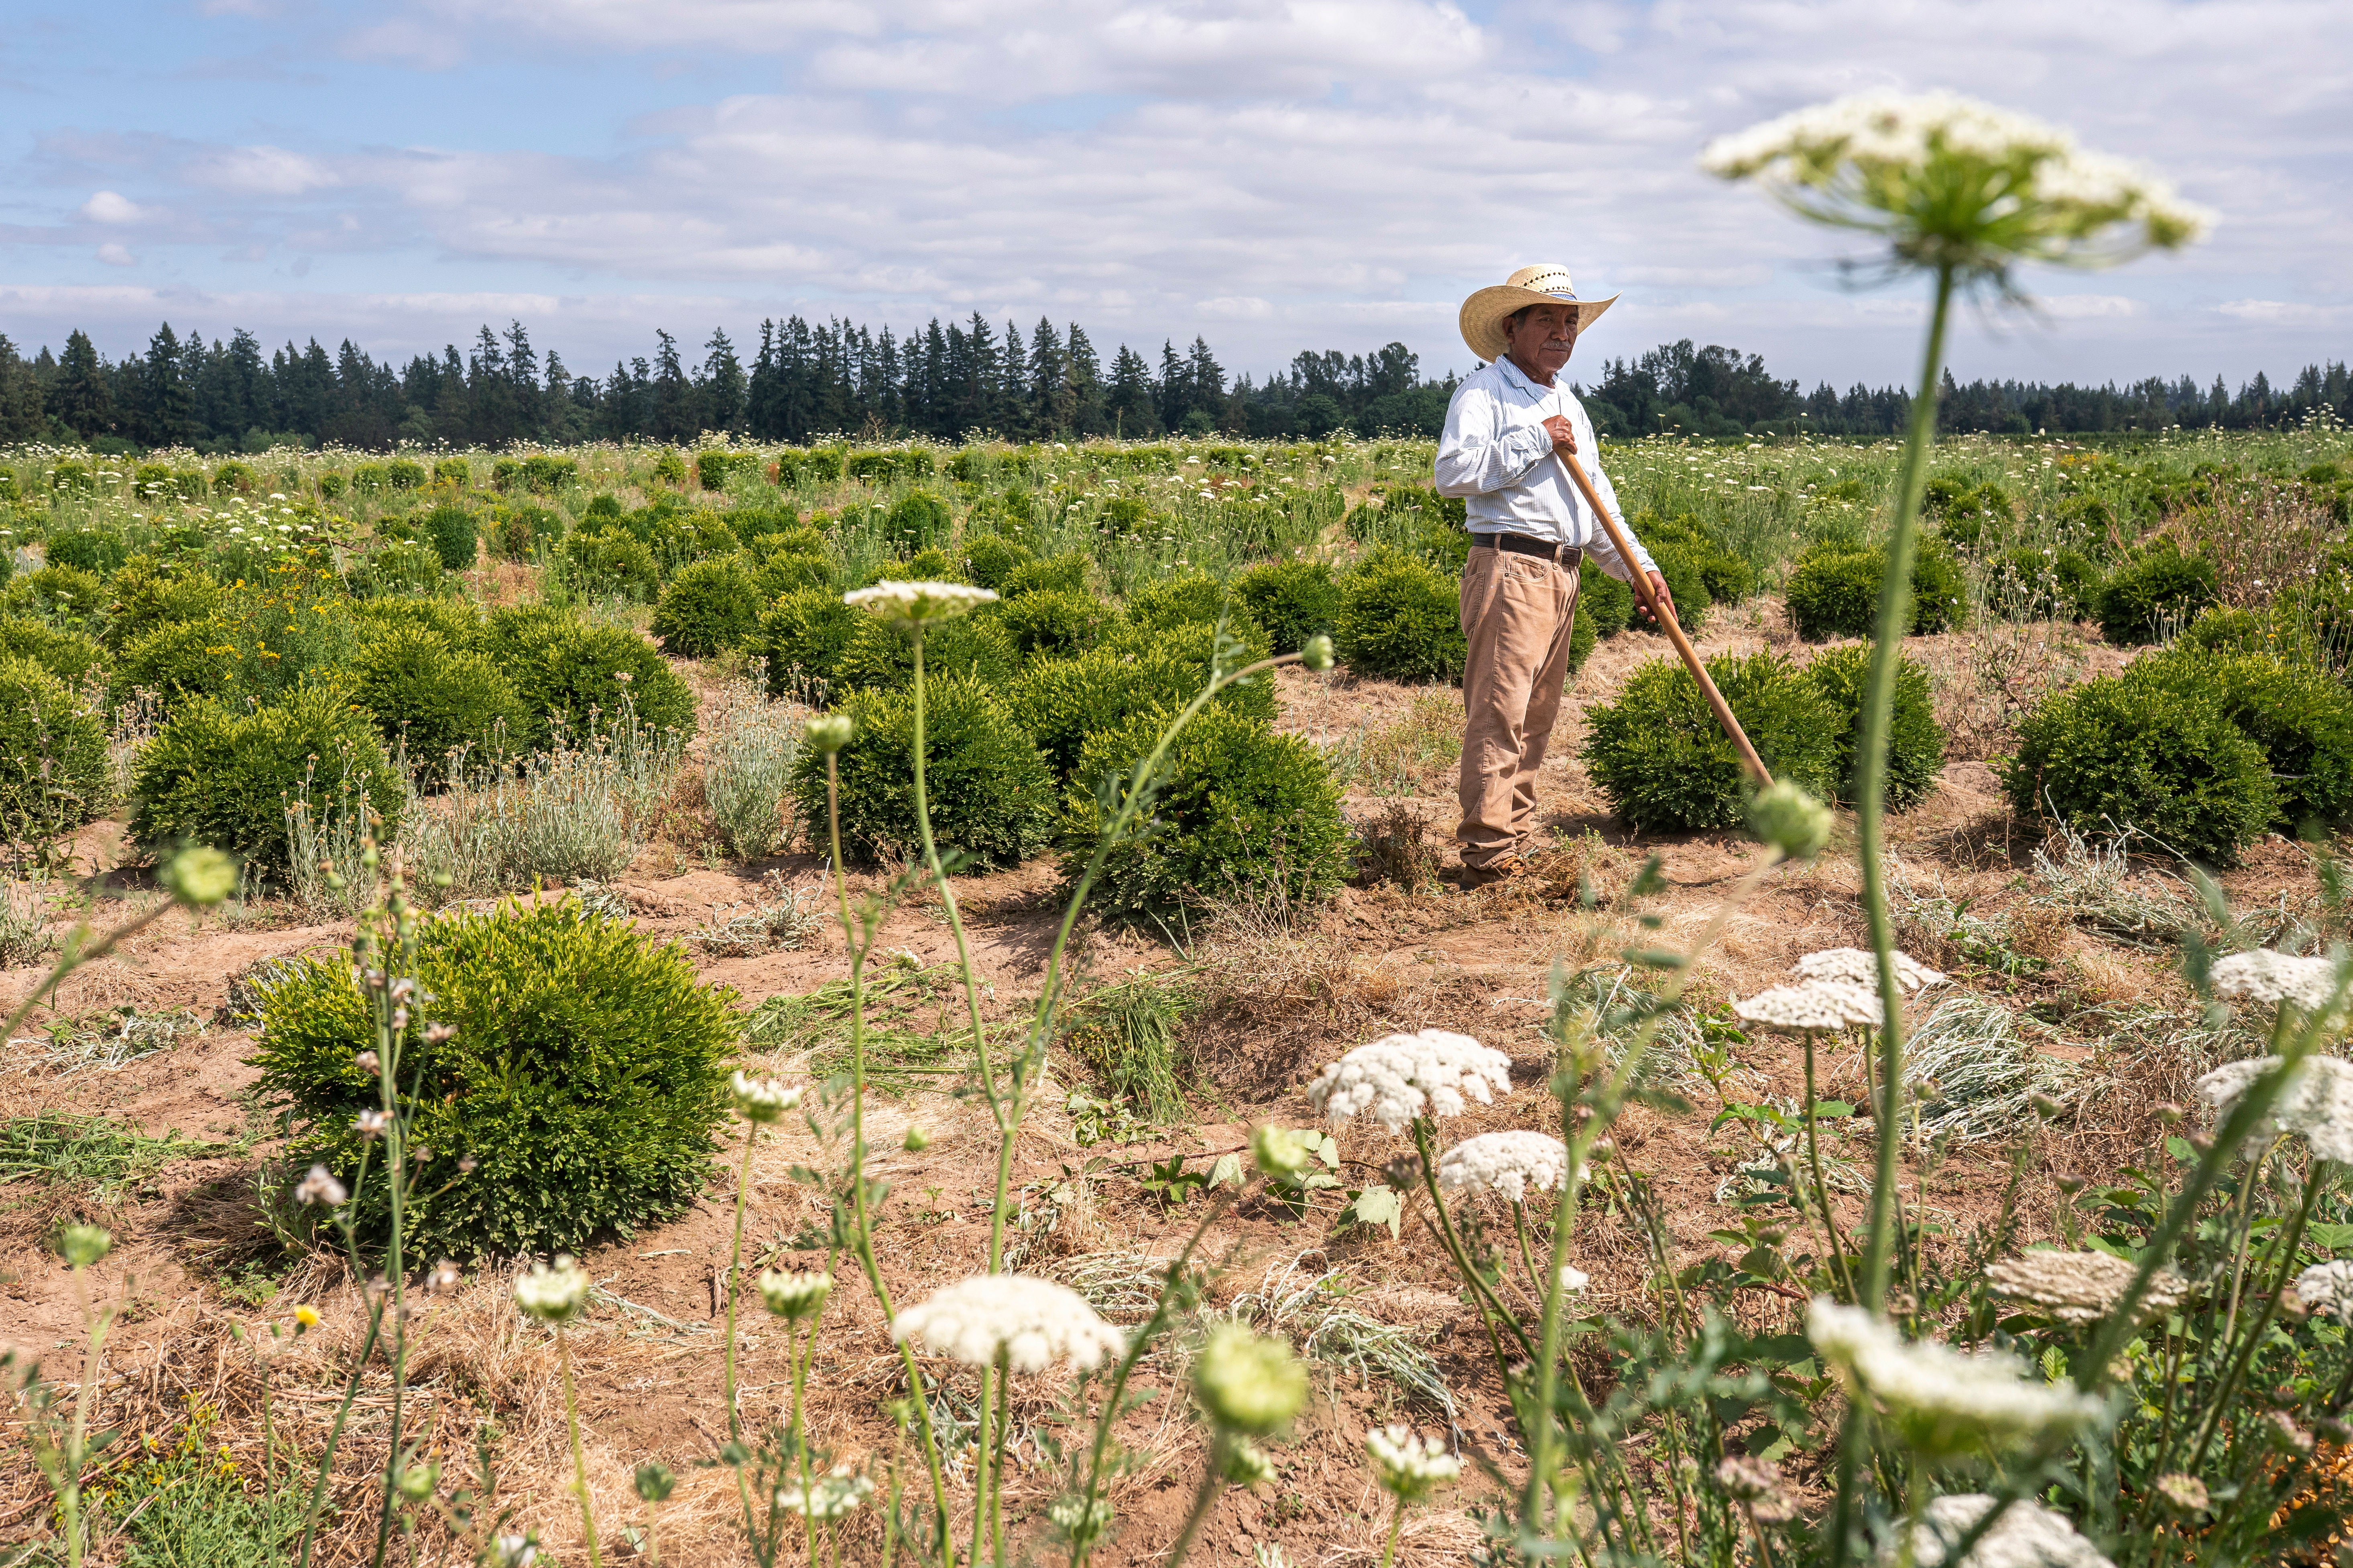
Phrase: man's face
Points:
(1544, 336)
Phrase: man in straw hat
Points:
(1529, 530)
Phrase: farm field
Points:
(574, 687)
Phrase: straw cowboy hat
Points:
(1483, 312)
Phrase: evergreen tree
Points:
(675, 417)
(1049, 391)
(1131, 410)
(79, 397)
(21, 418)
(166, 413)
(721, 384)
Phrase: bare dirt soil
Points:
(1272, 1000)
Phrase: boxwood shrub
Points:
(1833, 590)
(880, 655)
(69, 656)
(1190, 597)
(2302, 720)
(991, 797)
(456, 623)
(1241, 811)
(1399, 618)
(215, 776)
(1068, 572)
(61, 595)
(1915, 741)
(1657, 752)
(1054, 623)
(430, 699)
(584, 1079)
(2035, 583)
(916, 521)
(99, 551)
(989, 559)
(610, 561)
(2118, 753)
(146, 593)
(1685, 585)
(1290, 599)
(564, 672)
(1602, 599)
(178, 661)
(54, 772)
(802, 636)
(709, 605)
(1060, 702)
(402, 566)
(2159, 591)
(1727, 577)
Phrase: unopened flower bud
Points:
(654, 1481)
(2068, 1184)
(83, 1244)
(368, 1062)
(1279, 1152)
(2171, 1115)
(1246, 1467)
(1249, 1384)
(1317, 652)
(829, 732)
(1790, 820)
(200, 878)
(417, 1483)
(916, 1140)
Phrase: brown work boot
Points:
(1502, 868)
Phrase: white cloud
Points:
(1233, 308)
(115, 255)
(110, 206)
(261, 172)
(2086, 307)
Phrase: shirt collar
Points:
(1514, 376)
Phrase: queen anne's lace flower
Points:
(2027, 1535)
(1248, 1382)
(1944, 1401)
(1409, 1468)
(1504, 1162)
(1398, 1076)
(553, 1295)
(832, 1496)
(1033, 1322)
(793, 1296)
(2082, 1287)
(1812, 1008)
(2264, 975)
(1860, 966)
(762, 1099)
(2327, 1287)
(1757, 1485)
(2316, 1104)
(919, 602)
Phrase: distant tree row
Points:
(810, 379)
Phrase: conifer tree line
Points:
(806, 381)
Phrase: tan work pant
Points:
(1517, 612)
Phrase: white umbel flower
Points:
(2316, 1104)
(2327, 1287)
(1943, 1401)
(2264, 975)
(835, 1495)
(762, 1099)
(919, 602)
(553, 1294)
(1409, 1468)
(1572, 1281)
(1400, 1077)
(2082, 1287)
(1812, 1008)
(1860, 966)
(1033, 1322)
(2027, 1535)
(1505, 1162)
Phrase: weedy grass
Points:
(1128, 1032)
(97, 1154)
(747, 768)
(23, 921)
(1401, 756)
(1321, 1315)
(913, 1034)
(782, 919)
(113, 1039)
(1974, 1068)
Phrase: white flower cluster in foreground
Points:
(1860, 966)
(1944, 1401)
(2027, 1535)
(1875, 141)
(1811, 1007)
(919, 600)
(2327, 1287)
(2316, 1104)
(1409, 1466)
(553, 1294)
(2082, 1287)
(835, 1495)
(1033, 1322)
(2264, 975)
(1398, 1076)
(1505, 1162)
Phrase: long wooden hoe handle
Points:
(1664, 614)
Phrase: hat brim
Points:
(1483, 312)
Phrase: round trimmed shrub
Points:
(924, 567)
(1833, 592)
(1293, 600)
(1399, 618)
(1940, 593)
(919, 520)
(1063, 701)
(1188, 598)
(1601, 597)
(146, 593)
(69, 656)
(98, 550)
(1659, 756)
(402, 567)
(524, 531)
(217, 778)
(1915, 741)
(990, 559)
(1685, 585)
(430, 700)
(990, 796)
(1239, 811)
(455, 623)
(2302, 720)
(178, 661)
(1727, 577)
(802, 638)
(710, 605)
(62, 595)
(450, 531)
(790, 571)
(584, 1079)
(2159, 591)
(880, 655)
(2036, 583)
(54, 774)
(569, 675)
(610, 561)
(2115, 753)
(1068, 572)
(1054, 623)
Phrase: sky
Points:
(1269, 176)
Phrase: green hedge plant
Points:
(570, 676)
(1602, 599)
(1240, 812)
(2301, 718)
(802, 636)
(430, 700)
(70, 655)
(219, 778)
(1054, 623)
(991, 795)
(1399, 618)
(610, 563)
(581, 1087)
(2158, 592)
(1915, 741)
(1292, 600)
(709, 605)
(880, 656)
(1061, 703)
(1659, 755)
(54, 770)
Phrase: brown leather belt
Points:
(1567, 555)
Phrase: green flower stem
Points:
(579, 1458)
(1837, 1247)
(1203, 1497)
(980, 1458)
(1397, 1528)
(359, 1367)
(799, 1348)
(2316, 1178)
(396, 1171)
(735, 1267)
(1870, 795)
(1138, 1344)
(864, 1238)
(1489, 1307)
(77, 1441)
(997, 1459)
(1527, 1259)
